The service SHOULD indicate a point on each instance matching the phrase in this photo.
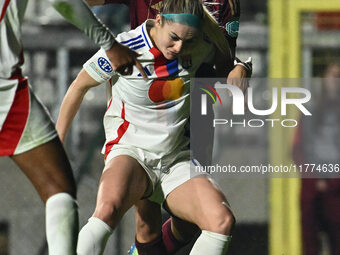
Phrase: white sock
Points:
(93, 237)
(61, 224)
(211, 243)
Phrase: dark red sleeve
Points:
(140, 10)
(227, 13)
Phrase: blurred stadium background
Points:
(286, 38)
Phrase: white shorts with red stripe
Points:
(26, 124)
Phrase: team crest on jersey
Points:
(105, 65)
(232, 28)
(186, 61)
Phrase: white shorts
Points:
(27, 124)
(165, 174)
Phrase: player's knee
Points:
(226, 224)
(223, 224)
(220, 221)
(107, 211)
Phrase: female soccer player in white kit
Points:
(146, 151)
(27, 133)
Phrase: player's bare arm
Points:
(72, 101)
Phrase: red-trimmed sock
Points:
(155, 247)
(172, 245)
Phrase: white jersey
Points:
(151, 114)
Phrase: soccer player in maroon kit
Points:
(152, 237)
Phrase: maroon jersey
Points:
(226, 12)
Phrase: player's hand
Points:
(123, 59)
(240, 75)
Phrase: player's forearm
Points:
(79, 14)
(69, 109)
(72, 101)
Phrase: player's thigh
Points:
(122, 184)
(48, 168)
(200, 201)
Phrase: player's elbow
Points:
(83, 82)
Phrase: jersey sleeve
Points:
(99, 67)
(78, 13)
(229, 20)
(227, 14)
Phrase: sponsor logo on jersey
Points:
(102, 75)
(105, 65)
(186, 61)
(232, 28)
(166, 90)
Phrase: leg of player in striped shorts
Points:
(29, 138)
